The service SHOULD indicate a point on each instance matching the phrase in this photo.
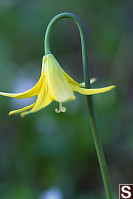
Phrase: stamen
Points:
(61, 108)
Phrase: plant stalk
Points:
(95, 133)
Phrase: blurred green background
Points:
(52, 156)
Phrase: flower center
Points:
(61, 108)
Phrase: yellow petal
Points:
(27, 94)
(70, 80)
(58, 84)
(38, 100)
(46, 101)
(85, 91)
(92, 80)
(42, 101)
(40, 96)
(21, 110)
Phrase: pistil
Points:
(61, 108)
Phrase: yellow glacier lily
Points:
(54, 84)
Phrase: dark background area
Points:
(47, 153)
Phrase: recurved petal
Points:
(58, 85)
(85, 91)
(42, 101)
(22, 109)
(71, 80)
(27, 94)
(40, 97)
(92, 80)
(45, 102)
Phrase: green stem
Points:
(96, 136)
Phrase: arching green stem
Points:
(96, 136)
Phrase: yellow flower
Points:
(54, 84)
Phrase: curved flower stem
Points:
(96, 136)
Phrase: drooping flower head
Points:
(54, 84)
